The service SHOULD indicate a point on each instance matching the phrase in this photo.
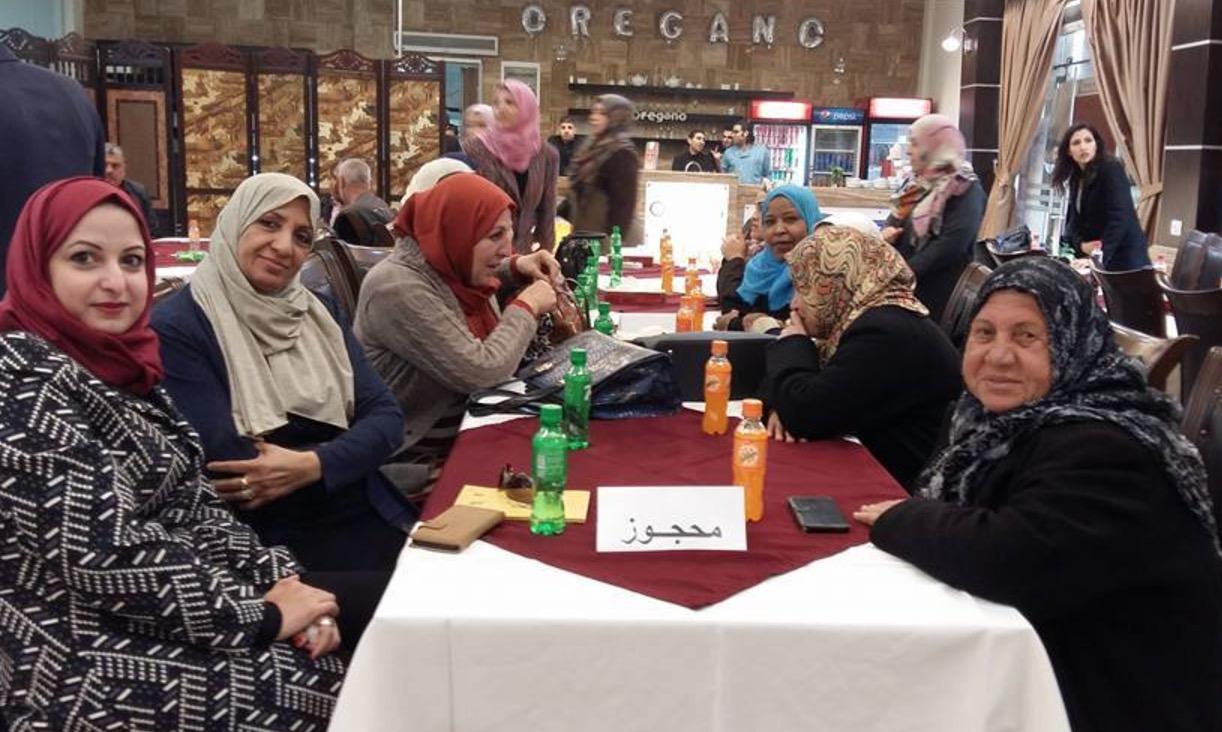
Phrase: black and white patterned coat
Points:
(130, 597)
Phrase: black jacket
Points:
(1079, 529)
(889, 384)
(729, 277)
(1106, 214)
(50, 131)
(141, 197)
(702, 163)
(942, 260)
(566, 150)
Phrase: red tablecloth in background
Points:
(672, 451)
(164, 252)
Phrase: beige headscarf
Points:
(284, 352)
(430, 174)
(840, 273)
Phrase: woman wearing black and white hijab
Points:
(1067, 491)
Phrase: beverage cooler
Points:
(836, 134)
(784, 128)
(887, 134)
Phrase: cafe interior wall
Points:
(880, 41)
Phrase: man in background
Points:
(50, 130)
(697, 158)
(565, 142)
(116, 174)
(363, 216)
(749, 161)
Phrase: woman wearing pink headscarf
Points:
(936, 215)
(512, 155)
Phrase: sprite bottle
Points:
(548, 469)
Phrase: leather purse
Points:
(455, 528)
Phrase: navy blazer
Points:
(50, 130)
(1106, 214)
(198, 381)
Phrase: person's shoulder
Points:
(134, 188)
(1090, 440)
(177, 314)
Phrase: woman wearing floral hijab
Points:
(936, 216)
(126, 582)
(878, 368)
(1067, 491)
(512, 155)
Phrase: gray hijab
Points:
(1091, 380)
(283, 351)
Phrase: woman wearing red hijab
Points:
(430, 315)
(126, 579)
(512, 155)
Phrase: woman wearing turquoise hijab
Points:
(755, 293)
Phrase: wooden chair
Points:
(1210, 276)
(165, 288)
(1160, 356)
(1003, 257)
(1186, 271)
(358, 260)
(322, 273)
(957, 315)
(1197, 313)
(1134, 298)
(1203, 423)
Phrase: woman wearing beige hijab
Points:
(294, 422)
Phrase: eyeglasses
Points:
(518, 486)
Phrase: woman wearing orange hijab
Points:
(450, 312)
(126, 580)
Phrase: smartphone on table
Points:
(818, 514)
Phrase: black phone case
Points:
(818, 514)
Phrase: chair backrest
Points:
(358, 260)
(690, 351)
(1210, 277)
(360, 227)
(1186, 270)
(322, 273)
(1159, 355)
(1134, 298)
(1197, 313)
(165, 288)
(956, 316)
(1003, 257)
(1203, 423)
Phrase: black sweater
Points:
(1106, 214)
(889, 383)
(1079, 529)
(729, 278)
(942, 260)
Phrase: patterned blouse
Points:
(130, 598)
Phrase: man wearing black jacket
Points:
(697, 159)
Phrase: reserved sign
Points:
(671, 518)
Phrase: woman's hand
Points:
(723, 321)
(540, 265)
(733, 247)
(320, 638)
(891, 234)
(870, 512)
(275, 473)
(796, 325)
(299, 605)
(540, 296)
(777, 431)
(749, 320)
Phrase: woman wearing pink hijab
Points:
(512, 155)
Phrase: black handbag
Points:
(627, 381)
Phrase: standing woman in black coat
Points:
(1068, 492)
(1100, 211)
(604, 172)
(937, 214)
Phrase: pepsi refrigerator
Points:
(784, 127)
(836, 135)
(887, 133)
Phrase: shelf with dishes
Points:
(630, 90)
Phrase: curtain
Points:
(1028, 42)
(1131, 44)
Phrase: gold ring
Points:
(326, 621)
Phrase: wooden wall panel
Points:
(136, 122)
(347, 120)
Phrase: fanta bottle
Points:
(685, 319)
(751, 457)
(716, 390)
(666, 251)
(691, 278)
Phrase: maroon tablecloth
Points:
(672, 451)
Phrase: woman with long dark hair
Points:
(1100, 213)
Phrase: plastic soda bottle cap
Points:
(577, 357)
(604, 308)
(720, 348)
(550, 414)
(752, 408)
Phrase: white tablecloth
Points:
(489, 640)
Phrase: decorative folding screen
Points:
(76, 57)
(26, 46)
(414, 108)
(284, 122)
(348, 98)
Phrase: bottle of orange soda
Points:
(685, 318)
(751, 456)
(716, 390)
(666, 251)
(691, 277)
